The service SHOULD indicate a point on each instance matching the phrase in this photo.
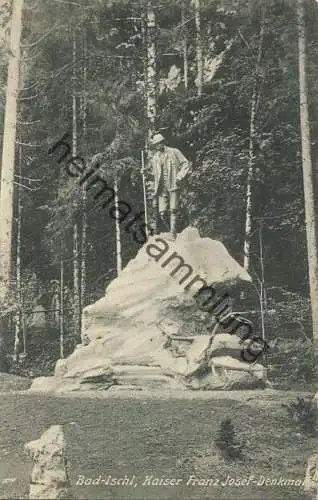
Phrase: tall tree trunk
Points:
(251, 152)
(144, 189)
(184, 45)
(151, 89)
(151, 84)
(308, 174)
(8, 150)
(17, 334)
(84, 213)
(61, 305)
(76, 264)
(199, 56)
(262, 279)
(117, 225)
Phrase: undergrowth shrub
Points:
(293, 364)
(227, 441)
(303, 414)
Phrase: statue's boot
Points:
(155, 222)
(154, 225)
(173, 223)
(164, 217)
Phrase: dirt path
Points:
(256, 395)
(20, 385)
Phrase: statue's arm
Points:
(184, 165)
(182, 160)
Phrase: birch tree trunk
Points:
(76, 265)
(262, 279)
(117, 225)
(144, 189)
(151, 84)
(308, 173)
(251, 153)
(61, 304)
(184, 46)
(199, 56)
(84, 214)
(151, 91)
(8, 150)
(17, 334)
(145, 152)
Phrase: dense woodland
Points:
(220, 79)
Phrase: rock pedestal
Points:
(49, 479)
(130, 329)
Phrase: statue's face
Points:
(160, 146)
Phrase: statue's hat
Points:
(156, 139)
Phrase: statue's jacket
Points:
(177, 167)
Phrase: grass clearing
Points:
(9, 382)
(163, 437)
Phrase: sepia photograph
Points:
(159, 249)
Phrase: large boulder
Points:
(133, 330)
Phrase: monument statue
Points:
(169, 168)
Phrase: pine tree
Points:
(84, 200)
(150, 84)
(199, 55)
(251, 152)
(61, 305)
(184, 45)
(76, 253)
(308, 174)
(18, 320)
(117, 227)
(8, 151)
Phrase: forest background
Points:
(223, 81)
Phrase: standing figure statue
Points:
(169, 167)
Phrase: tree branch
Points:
(73, 3)
(28, 123)
(28, 144)
(26, 187)
(183, 24)
(33, 44)
(242, 38)
(27, 98)
(27, 178)
(30, 87)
